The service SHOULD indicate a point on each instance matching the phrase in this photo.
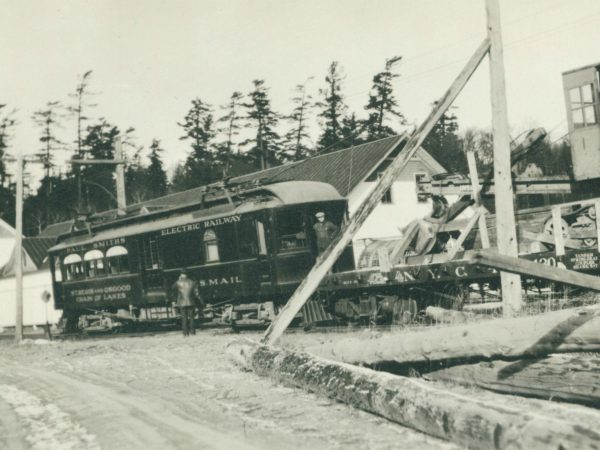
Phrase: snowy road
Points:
(167, 392)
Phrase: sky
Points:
(150, 58)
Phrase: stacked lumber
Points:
(573, 378)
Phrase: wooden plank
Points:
(120, 178)
(524, 267)
(559, 239)
(326, 260)
(19, 251)
(384, 259)
(567, 377)
(506, 234)
(463, 234)
(448, 315)
(476, 188)
(467, 417)
(408, 236)
(561, 331)
(483, 308)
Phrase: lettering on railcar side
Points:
(200, 225)
(220, 281)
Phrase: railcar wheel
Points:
(71, 322)
(405, 311)
(452, 296)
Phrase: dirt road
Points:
(169, 392)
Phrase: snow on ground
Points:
(165, 391)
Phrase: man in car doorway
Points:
(324, 230)
(188, 297)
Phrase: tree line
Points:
(243, 135)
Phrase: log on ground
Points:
(472, 419)
(573, 378)
(448, 315)
(532, 336)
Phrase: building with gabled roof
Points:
(36, 279)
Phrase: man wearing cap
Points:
(324, 230)
(188, 296)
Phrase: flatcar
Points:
(250, 244)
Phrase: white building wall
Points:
(35, 311)
(6, 249)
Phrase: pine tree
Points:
(48, 119)
(352, 130)
(296, 138)
(99, 183)
(200, 166)
(7, 123)
(264, 151)
(230, 129)
(382, 105)
(332, 110)
(156, 175)
(7, 197)
(136, 186)
(79, 110)
(443, 144)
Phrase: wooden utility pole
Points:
(326, 260)
(19, 251)
(120, 173)
(505, 213)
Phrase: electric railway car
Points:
(251, 244)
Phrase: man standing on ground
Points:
(188, 297)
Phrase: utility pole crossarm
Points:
(91, 162)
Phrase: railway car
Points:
(242, 244)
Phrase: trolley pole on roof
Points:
(19, 252)
(505, 211)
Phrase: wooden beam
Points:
(463, 234)
(407, 237)
(326, 260)
(473, 175)
(471, 419)
(120, 178)
(570, 378)
(559, 239)
(506, 234)
(561, 331)
(524, 267)
(443, 315)
(91, 162)
(19, 251)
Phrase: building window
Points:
(117, 260)
(57, 270)
(583, 106)
(211, 246)
(150, 259)
(73, 267)
(94, 263)
(262, 241)
(290, 225)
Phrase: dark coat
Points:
(325, 232)
(187, 292)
